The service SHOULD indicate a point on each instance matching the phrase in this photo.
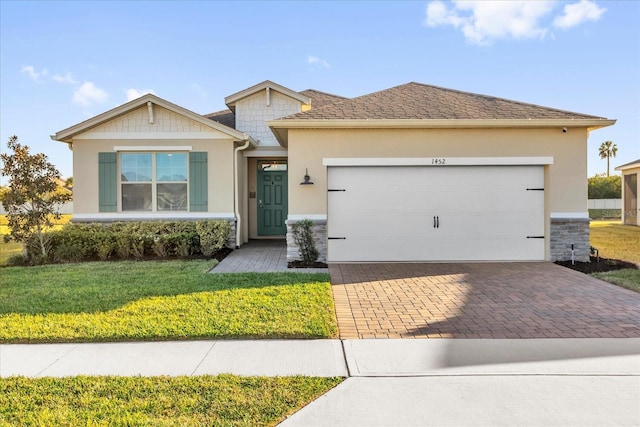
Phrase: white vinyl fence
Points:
(604, 204)
(66, 209)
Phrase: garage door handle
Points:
(436, 222)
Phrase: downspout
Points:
(236, 191)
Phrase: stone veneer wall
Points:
(319, 230)
(231, 241)
(564, 232)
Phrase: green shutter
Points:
(198, 189)
(107, 182)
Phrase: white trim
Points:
(152, 148)
(437, 161)
(569, 215)
(150, 135)
(118, 216)
(300, 217)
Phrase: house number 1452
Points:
(438, 161)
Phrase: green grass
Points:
(626, 278)
(159, 401)
(160, 300)
(616, 241)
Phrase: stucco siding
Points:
(253, 113)
(565, 179)
(220, 169)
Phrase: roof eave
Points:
(280, 127)
(594, 123)
(632, 165)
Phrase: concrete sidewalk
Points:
(586, 382)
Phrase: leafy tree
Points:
(32, 200)
(69, 182)
(601, 187)
(607, 150)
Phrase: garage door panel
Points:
(483, 213)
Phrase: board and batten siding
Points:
(108, 182)
(198, 182)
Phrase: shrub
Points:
(213, 235)
(602, 187)
(303, 236)
(79, 242)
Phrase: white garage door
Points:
(421, 213)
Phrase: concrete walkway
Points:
(260, 256)
(586, 382)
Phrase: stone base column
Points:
(319, 231)
(567, 231)
(231, 241)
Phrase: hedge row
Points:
(131, 240)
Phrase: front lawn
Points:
(180, 401)
(617, 241)
(626, 278)
(160, 300)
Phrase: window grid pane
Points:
(136, 167)
(167, 189)
(171, 167)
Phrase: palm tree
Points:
(608, 149)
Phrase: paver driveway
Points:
(479, 300)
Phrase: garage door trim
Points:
(437, 161)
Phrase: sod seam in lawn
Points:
(160, 300)
(178, 401)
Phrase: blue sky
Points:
(63, 62)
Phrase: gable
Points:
(140, 122)
(149, 117)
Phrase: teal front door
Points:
(272, 203)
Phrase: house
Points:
(630, 192)
(411, 173)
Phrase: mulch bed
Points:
(595, 266)
(300, 264)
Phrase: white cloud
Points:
(577, 13)
(33, 73)
(135, 93)
(199, 90)
(88, 94)
(67, 78)
(313, 60)
(483, 22)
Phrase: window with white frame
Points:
(154, 181)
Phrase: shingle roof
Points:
(425, 102)
(321, 99)
(224, 117)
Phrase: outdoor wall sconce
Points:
(307, 178)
